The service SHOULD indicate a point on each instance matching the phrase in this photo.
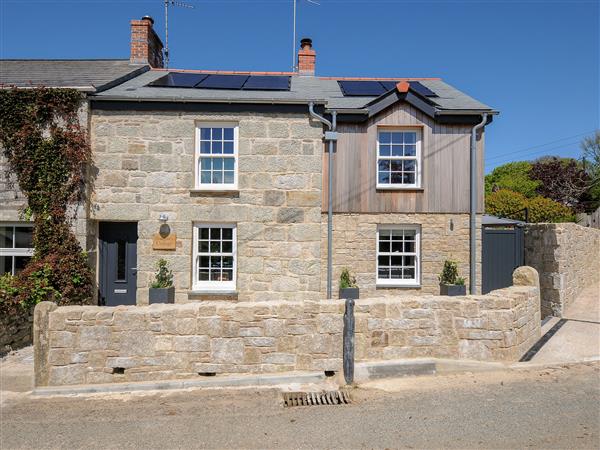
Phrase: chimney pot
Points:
(149, 19)
(306, 42)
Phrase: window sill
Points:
(214, 192)
(400, 188)
(396, 286)
(211, 294)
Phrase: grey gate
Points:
(502, 252)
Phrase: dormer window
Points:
(398, 158)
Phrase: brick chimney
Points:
(146, 46)
(306, 57)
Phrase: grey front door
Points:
(118, 263)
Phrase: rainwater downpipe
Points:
(473, 207)
(330, 137)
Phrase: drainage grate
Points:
(316, 398)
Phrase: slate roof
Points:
(91, 75)
(303, 89)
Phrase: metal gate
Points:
(502, 252)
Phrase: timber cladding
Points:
(445, 167)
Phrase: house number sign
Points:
(168, 242)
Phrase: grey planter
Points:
(453, 289)
(347, 293)
(162, 295)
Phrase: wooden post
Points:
(349, 341)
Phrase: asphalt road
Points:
(549, 408)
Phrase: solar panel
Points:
(371, 88)
(223, 82)
(361, 88)
(420, 89)
(267, 83)
(389, 85)
(177, 79)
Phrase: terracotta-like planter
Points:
(162, 295)
(347, 293)
(453, 289)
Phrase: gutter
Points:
(269, 101)
(331, 137)
(473, 206)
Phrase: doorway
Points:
(118, 263)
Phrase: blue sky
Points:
(535, 61)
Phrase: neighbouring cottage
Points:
(225, 175)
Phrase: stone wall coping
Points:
(423, 301)
(562, 225)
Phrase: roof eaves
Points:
(90, 88)
(449, 112)
(281, 101)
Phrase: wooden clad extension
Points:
(445, 167)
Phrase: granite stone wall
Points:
(443, 236)
(145, 167)
(91, 344)
(567, 257)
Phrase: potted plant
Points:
(162, 290)
(348, 287)
(450, 283)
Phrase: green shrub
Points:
(542, 209)
(347, 280)
(449, 274)
(164, 276)
(7, 287)
(505, 203)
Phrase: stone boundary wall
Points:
(567, 257)
(91, 344)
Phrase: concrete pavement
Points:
(579, 336)
(543, 408)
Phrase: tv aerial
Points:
(294, 34)
(169, 3)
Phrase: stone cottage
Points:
(235, 177)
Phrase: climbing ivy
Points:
(48, 153)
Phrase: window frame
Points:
(417, 158)
(198, 185)
(209, 286)
(14, 252)
(398, 282)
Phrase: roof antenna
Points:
(167, 4)
(294, 65)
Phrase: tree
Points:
(562, 180)
(591, 152)
(514, 176)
